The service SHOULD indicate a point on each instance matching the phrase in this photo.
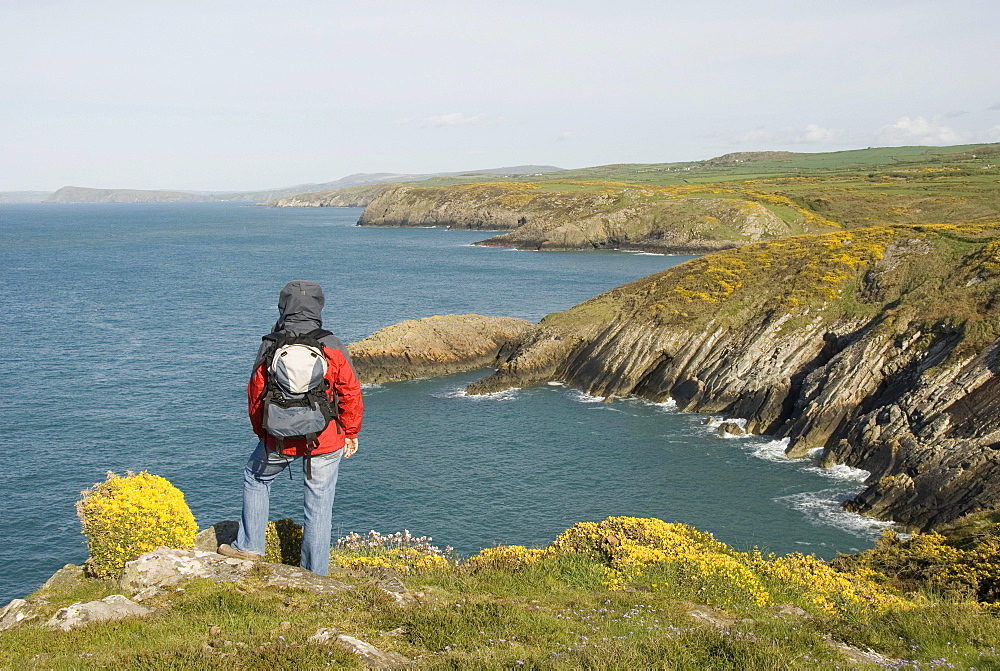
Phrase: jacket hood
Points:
(300, 305)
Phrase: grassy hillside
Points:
(697, 207)
(622, 593)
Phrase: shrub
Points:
(283, 542)
(124, 517)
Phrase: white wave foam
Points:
(772, 450)
(584, 397)
(459, 392)
(372, 385)
(670, 405)
(835, 472)
(712, 423)
(841, 472)
(555, 383)
(823, 507)
(641, 253)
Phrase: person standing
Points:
(300, 304)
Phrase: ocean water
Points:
(128, 332)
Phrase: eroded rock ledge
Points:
(433, 346)
(879, 345)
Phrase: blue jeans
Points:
(318, 491)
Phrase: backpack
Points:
(297, 398)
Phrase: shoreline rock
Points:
(433, 346)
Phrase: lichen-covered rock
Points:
(372, 657)
(16, 612)
(440, 345)
(66, 578)
(165, 567)
(114, 607)
(878, 345)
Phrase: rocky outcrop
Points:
(433, 346)
(878, 345)
(556, 216)
(114, 607)
(15, 613)
(164, 568)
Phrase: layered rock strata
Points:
(440, 345)
(659, 219)
(878, 345)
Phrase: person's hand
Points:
(350, 447)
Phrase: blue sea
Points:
(128, 333)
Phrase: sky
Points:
(248, 94)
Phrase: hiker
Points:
(317, 422)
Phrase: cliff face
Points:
(432, 346)
(878, 345)
(593, 216)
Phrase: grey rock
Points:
(114, 607)
(66, 578)
(15, 613)
(712, 617)
(790, 610)
(165, 567)
(730, 429)
(855, 655)
(395, 588)
(209, 540)
(368, 653)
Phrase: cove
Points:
(129, 331)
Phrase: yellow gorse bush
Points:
(830, 591)
(507, 557)
(631, 546)
(124, 517)
(664, 556)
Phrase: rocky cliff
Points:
(563, 216)
(433, 346)
(878, 346)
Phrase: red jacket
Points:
(342, 380)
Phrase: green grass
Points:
(555, 614)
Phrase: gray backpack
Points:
(298, 400)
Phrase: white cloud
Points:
(564, 136)
(994, 107)
(919, 131)
(993, 134)
(810, 134)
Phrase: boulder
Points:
(66, 578)
(114, 607)
(15, 613)
(729, 429)
(369, 654)
(209, 540)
